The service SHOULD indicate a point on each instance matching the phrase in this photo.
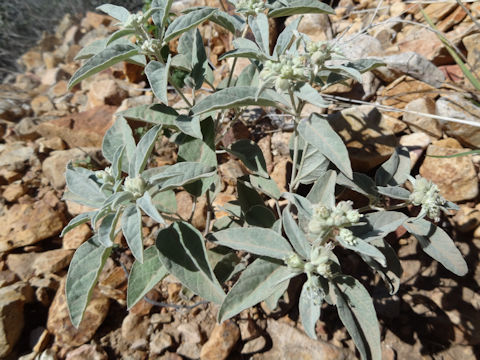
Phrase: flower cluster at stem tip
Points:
(250, 7)
(284, 71)
(324, 219)
(427, 194)
(136, 185)
(105, 176)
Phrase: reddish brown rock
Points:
(221, 342)
(81, 129)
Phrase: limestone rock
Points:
(14, 103)
(422, 123)
(81, 129)
(77, 236)
(290, 343)
(458, 107)
(41, 104)
(105, 92)
(160, 342)
(221, 342)
(59, 324)
(472, 44)
(416, 144)
(467, 218)
(26, 224)
(11, 318)
(16, 156)
(134, 328)
(455, 177)
(13, 191)
(366, 134)
(87, 351)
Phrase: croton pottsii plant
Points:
(300, 235)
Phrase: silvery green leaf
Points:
(181, 174)
(117, 163)
(251, 155)
(146, 204)
(247, 195)
(309, 306)
(232, 23)
(76, 221)
(235, 97)
(186, 22)
(243, 43)
(119, 135)
(143, 277)
(106, 231)
(303, 205)
(301, 7)
(157, 75)
(118, 34)
(436, 243)
(260, 216)
(266, 186)
(395, 170)
(391, 273)
(259, 241)
(91, 49)
(182, 252)
(261, 31)
(357, 313)
(394, 192)
(165, 201)
(249, 76)
(104, 59)
(100, 214)
(199, 61)
(307, 93)
(70, 196)
(160, 16)
(318, 132)
(314, 164)
(153, 114)
(118, 198)
(132, 231)
(117, 12)
(360, 183)
(285, 38)
(82, 182)
(346, 71)
(143, 150)
(295, 235)
(85, 267)
(362, 247)
(272, 300)
(451, 206)
(189, 125)
(225, 263)
(378, 224)
(244, 53)
(323, 190)
(260, 279)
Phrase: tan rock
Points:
(453, 19)
(7, 277)
(28, 265)
(455, 177)
(59, 324)
(77, 236)
(221, 342)
(367, 135)
(60, 88)
(54, 143)
(467, 218)
(134, 328)
(265, 145)
(416, 144)
(418, 122)
(87, 351)
(11, 318)
(185, 206)
(14, 191)
(93, 20)
(80, 129)
(51, 76)
(231, 170)
(27, 224)
(105, 92)
(32, 60)
(220, 201)
(281, 173)
(50, 60)
(41, 104)
(16, 156)
(437, 11)
(160, 342)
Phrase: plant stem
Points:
(179, 92)
(295, 158)
(244, 33)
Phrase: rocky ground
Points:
(435, 315)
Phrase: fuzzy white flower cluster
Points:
(105, 176)
(319, 52)
(136, 185)
(283, 72)
(320, 262)
(427, 194)
(133, 21)
(250, 7)
(151, 46)
(324, 219)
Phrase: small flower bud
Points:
(135, 185)
(295, 263)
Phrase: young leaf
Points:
(117, 35)
(186, 22)
(272, 300)
(295, 235)
(91, 49)
(247, 195)
(85, 267)
(119, 135)
(248, 77)
(104, 59)
(261, 31)
(251, 155)
(235, 97)
(436, 243)
(76, 221)
(189, 125)
(323, 190)
(360, 183)
(132, 230)
(312, 164)
(181, 174)
(395, 170)
(317, 132)
(267, 186)
(309, 306)
(106, 231)
(143, 277)
(362, 247)
(81, 182)
(153, 114)
(257, 282)
(264, 242)
(285, 37)
(394, 192)
(160, 16)
(146, 204)
(143, 151)
(301, 7)
(182, 252)
(157, 75)
(260, 216)
(117, 12)
(307, 93)
(357, 313)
